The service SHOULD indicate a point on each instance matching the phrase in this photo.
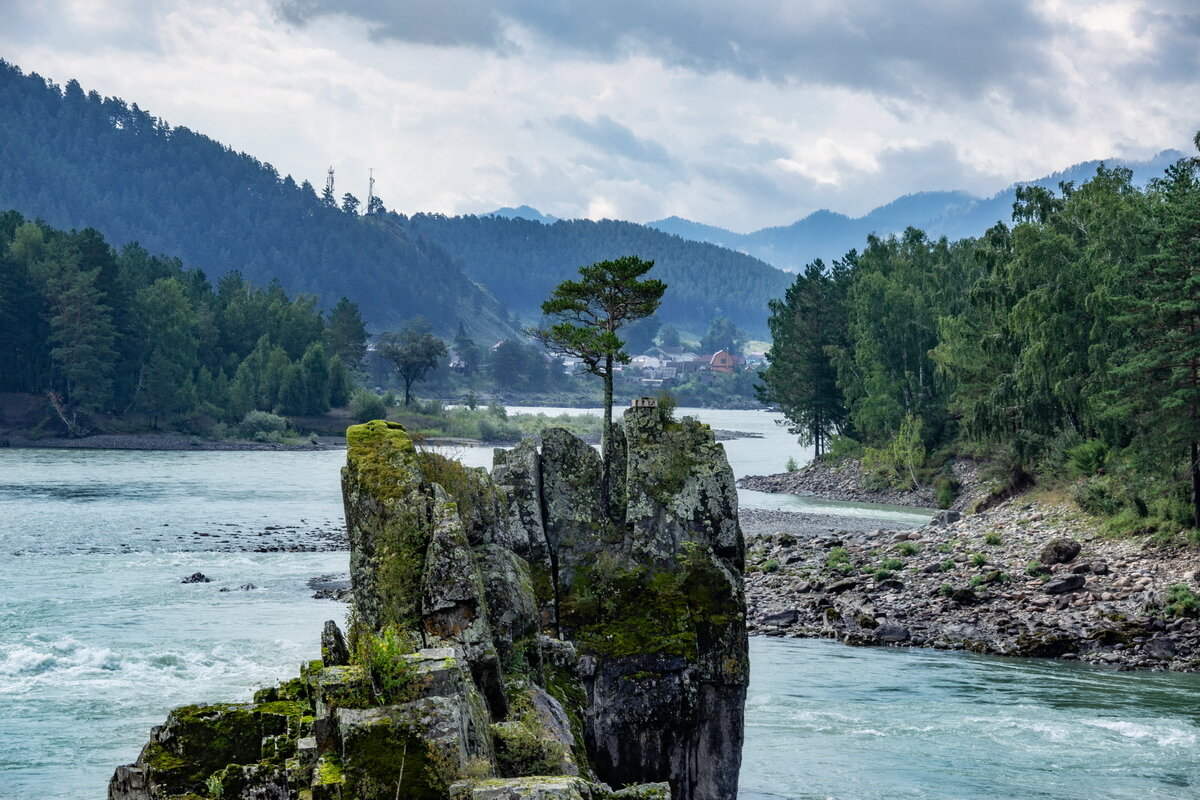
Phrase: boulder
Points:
(1059, 551)
(1066, 583)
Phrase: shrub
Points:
(843, 447)
(1088, 458)
(1096, 496)
(389, 399)
(993, 538)
(881, 574)
(261, 422)
(771, 565)
(1037, 568)
(366, 405)
(978, 559)
(791, 465)
(1181, 601)
(945, 495)
(908, 548)
(891, 563)
(899, 460)
(945, 590)
(393, 677)
(946, 565)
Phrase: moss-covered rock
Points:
(450, 675)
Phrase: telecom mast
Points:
(370, 190)
(329, 184)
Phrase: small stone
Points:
(842, 586)
(197, 577)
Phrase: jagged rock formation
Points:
(528, 634)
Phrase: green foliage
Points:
(723, 335)
(881, 574)
(844, 447)
(791, 466)
(393, 678)
(608, 296)
(899, 460)
(946, 565)
(838, 560)
(801, 377)
(1088, 458)
(993, 538)
(412, 351)
(1066, 342)
(365, 406)
(945, 590)
(770, 565)
(978, 559)
(259, 424)
(891, 563)
(908, 548)
(1181, 601)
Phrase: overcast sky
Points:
(738, 113)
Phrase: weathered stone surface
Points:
(1066, 583)
(387, 521)
(529, 788)
(1059, 551)
(334, 652)
(639, 572)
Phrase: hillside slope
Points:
(78, 160)
(521, 260)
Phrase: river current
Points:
(99, 638)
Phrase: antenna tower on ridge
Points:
(329, 182)
(370, 190)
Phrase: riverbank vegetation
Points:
(127, 335)
(1064, 347)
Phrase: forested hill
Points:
(521, 261)
(78, 160)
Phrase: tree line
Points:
(1066, 342)
(127, 332)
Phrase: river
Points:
(99, 638)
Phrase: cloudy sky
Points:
(738, 113)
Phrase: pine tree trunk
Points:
(1196, 485)
(606, 431)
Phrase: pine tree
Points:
(82, 334)
(1160, 367)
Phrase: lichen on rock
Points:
(547, 631)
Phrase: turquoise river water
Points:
(98, 639)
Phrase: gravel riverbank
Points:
(1026, 578)
(846, 480)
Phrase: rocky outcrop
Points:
(1026, 578)
(548, 631)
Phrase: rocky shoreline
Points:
(846, 480)
(1027, 578)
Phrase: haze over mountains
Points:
(829, 235)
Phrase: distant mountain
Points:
(78, 160)
(828, 235)
(523, 212)
(521, 261)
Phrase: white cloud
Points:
(740, 119)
